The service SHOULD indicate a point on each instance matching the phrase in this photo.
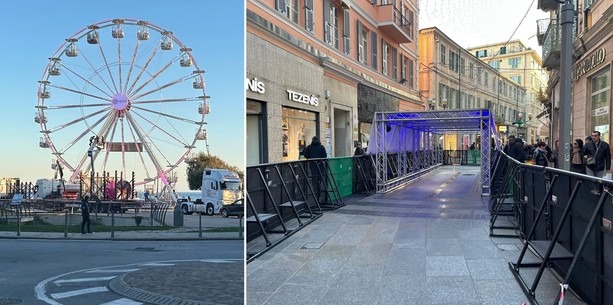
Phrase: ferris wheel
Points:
(125, 95)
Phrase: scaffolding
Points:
(402, 143)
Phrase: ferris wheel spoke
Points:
(87, 81)
(132, 64)
(168, 115)
(143, 69)
(106, 64)
(104, 130)
(77, 120)
(140, 152)
(97, 74)
(141, 135)
(168, 100)
(161, 129)
(177, 81)
(119, 61)
(83, 134)
(76, 106)
(109, 140)
(123, 148)
(154, 76)
(78, 92)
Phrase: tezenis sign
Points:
(302, 98)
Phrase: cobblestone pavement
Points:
(189, 283)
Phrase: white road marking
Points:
(111, 270)
(156, 265)
(85, 279)
(73, 293)
(123, 301)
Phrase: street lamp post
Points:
(566, 22)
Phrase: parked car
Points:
(236, 208)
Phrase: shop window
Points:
(298, 128)
(601, 102)
(256, 133)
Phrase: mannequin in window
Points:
(301, 141)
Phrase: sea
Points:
(193, 195)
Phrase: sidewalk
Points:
(426, 243)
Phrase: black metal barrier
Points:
(564, 219)
(283, 197)
(364, 175)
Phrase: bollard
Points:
(112, 223)
(151, 214)
(18, 209)
(65, 223)
(240, 224)
(200, 225)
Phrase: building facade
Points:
(323, 68)
(453, 78)
(522, 65)
(591, 70)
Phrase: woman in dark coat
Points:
(577, 161)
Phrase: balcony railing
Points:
(391, 21)
(552, 41)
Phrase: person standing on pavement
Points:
(85, 215)
(597, 157)
(473, 154)
(577, 160)
(314, 151)
(358, 149)
(555, 153)
(516, 150)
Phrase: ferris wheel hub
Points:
(120, 101)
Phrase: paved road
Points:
(82, 272)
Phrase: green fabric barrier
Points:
(342, 169)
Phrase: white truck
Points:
(219, 187)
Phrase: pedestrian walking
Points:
(597, 158)
(540, 155)
(85, 215)
(577, 160)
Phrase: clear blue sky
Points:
(34, 30)
(472, 23)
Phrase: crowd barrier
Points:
(564, 219)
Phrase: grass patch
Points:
(37, 227)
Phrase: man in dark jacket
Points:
(598, 158)
(516, 151)
(315, 150)
(508, 145)
(85, 214)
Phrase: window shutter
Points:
(309, 21)
(373, 36)
(280, 5)
(346, 31)
(327, 23)
(360, 48)
(411, 73)
(395, 63)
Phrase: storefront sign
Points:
(589, 63)
(255, 85)
(302, 98)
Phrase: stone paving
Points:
(426, 243)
